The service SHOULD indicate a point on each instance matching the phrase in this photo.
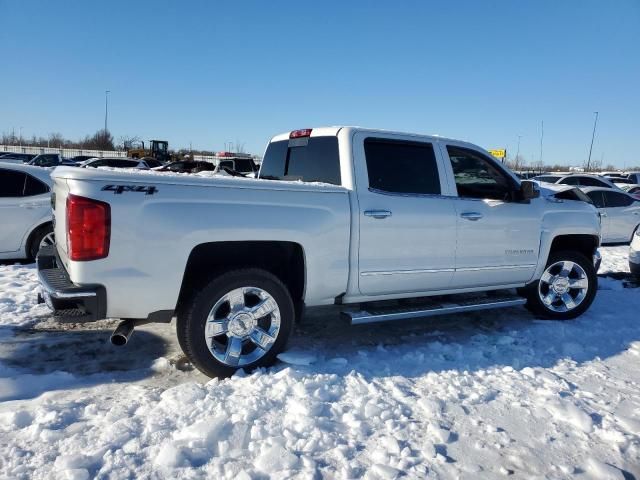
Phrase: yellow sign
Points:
(500, 153)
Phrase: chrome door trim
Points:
(405, 272)
(444, 270)
(497, 267)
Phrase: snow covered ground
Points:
(482, 395)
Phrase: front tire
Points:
(566, 288)
(240, 319)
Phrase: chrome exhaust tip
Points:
(122, 333)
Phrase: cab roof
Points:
(333, 131)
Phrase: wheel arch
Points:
(26, 246)
(286, 260)
(582, 243)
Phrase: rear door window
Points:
(592, 182)
(571, 181)
(399, 166)
(121, 163)
(309, 159)
(596, 198)
(11, 183)
(33, 186)
(615, 199)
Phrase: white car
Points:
(634, 176)
(577, 180)
(25, 210)
(632, 189)
(115, 163)
(634, 254)
(619, 212)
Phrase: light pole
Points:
(106, 108)
(20, 136)
(593, 135)
(518, 152)
(541, 138)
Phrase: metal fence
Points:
(206, 158)
(65, 152)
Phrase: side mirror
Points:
(529, 190)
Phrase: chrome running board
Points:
(374, 314)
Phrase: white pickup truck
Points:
(387, 225)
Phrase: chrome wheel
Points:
(563, 286)
(47, 240)
(242, 326)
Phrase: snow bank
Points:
(482, 395)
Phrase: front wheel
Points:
(566, 288)
(240, 319)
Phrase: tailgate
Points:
(58, 204)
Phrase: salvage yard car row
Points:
(617, 203)
(234, 165)
(25, 194)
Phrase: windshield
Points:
(244, 165)
(546, 178)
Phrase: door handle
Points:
(603, 214)
(473, 216)
(377, 213)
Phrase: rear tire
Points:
(566, 289)
(43, 236)
(240, 319)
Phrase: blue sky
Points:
(211, 72)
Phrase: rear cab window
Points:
(308, 159)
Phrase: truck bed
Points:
(158, 218)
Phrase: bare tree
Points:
(125, 142)
(56, 140)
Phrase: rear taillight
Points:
(88, 228)
(306, 132)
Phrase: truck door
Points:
(407, 225)
(498, 238)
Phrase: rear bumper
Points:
(68, 301)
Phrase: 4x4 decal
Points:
(118, 189)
